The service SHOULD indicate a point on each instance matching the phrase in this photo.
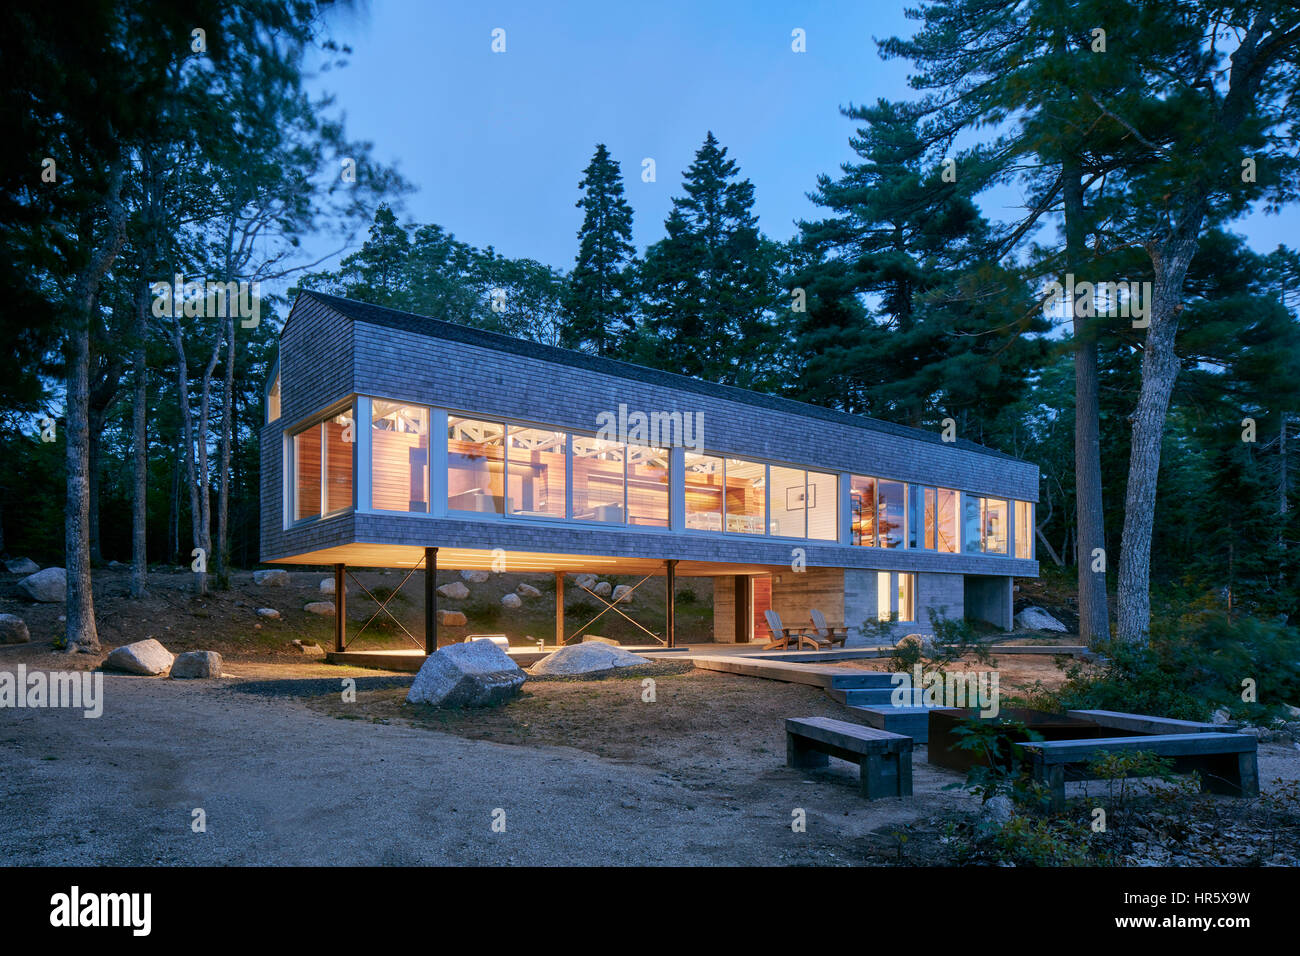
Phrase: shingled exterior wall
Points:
(325, 357)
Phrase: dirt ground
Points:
(585, 772)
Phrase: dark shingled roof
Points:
(467, 335)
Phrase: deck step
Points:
(862, 679)
(877, 696)
(911, 722)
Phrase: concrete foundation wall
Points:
(942, 593)
(989, 599)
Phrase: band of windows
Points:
(497, 468)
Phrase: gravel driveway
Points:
(282, 784)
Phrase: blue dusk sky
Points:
(495, 143)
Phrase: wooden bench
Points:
(884, 759)
(1226, 762)
(1144, 724)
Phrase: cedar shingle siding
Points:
(332, 348)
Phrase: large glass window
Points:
(704, 492)
(915, 516)
(322, 466)
(823, 506)
(971, 529)
(906, 587)
(307, 472)
(1024, 529)
(399, 457)
(746, 497)
(273, 400)
(536, 472)
(789, 502)
(647, 486)
(475, 466)
(895, 596)
(930, 517)
(340, 440)
(598, 472)
(884, 596)
(946, 533)
(984, 524)
(862, 507)
(995, 525)
(890, 513)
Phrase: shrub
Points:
(1193, 665)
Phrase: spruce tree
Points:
(710, 285)
(597, 303)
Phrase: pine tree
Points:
(597, 300)
(709, 287)
(906, 318)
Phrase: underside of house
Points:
(398, 441)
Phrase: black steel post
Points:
(430, 600)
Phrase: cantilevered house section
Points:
(390, 435)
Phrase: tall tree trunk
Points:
(140, 447)
(227, 432)
(1094, 615)
(1160, 367)
(94, 433)
(80, 632)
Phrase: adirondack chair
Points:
(783, 637)
(826, 636)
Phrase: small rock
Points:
(197, 664)
(323, 608)
(997, 811)
(49, 586)
(474, 674)
(142, 657)
(13, 630)
(452, 619)
(511, 600)
(475, 577)
(454, 591)
(116, 565)
(587, 581)
(623, 594)
(527, 590)
(22, 566)
(603, 588)
(270, 613)
(275, 578)
(307, 649)
(327, 587)
(1220, 716)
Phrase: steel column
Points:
(430, 600)
(672, 602)
(340, 608)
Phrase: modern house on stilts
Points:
(398, 441)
